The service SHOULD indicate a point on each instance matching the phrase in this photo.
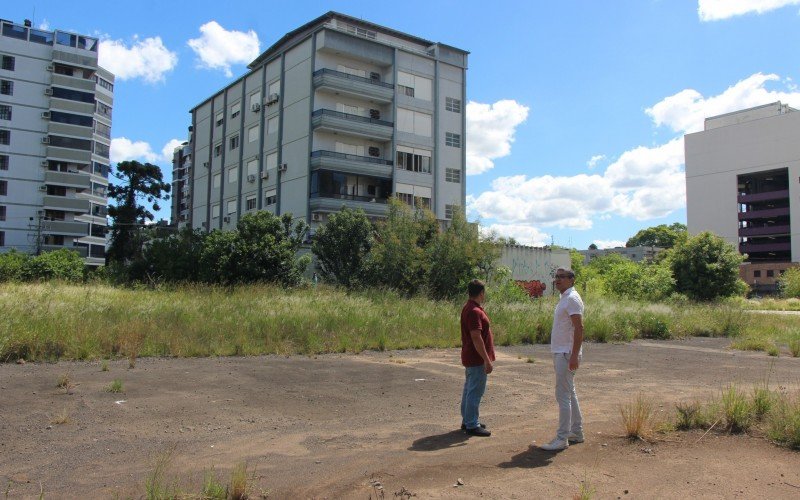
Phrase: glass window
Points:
(71, 119)
(231, 207)
(15, 31)
(67, 39)
(236, 109)
(452, 104)
(6, 87)
(86, 43)
(216, 180)
(5, 112)
(102, 129)
(3, 188)
(70, 142)
(220, 118)
(105, 84)
(452, 175)
(2, 212)
(103, 109)
(8, 63)
(252, 167)
(271, 197)
(252, 134)
(275, 87)
(453, 140)
(215, 211)
(3, 162)
(251, 203)
(234, 142)
(73, 95)
(43, 37)
(5, 137)
(217, 150)
(101, 149)
(2, 238)
(233, 174)
(272, 125)
(770, 273)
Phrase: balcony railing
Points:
(768, 247)
(354, 118)
(353, 197)
(355, 78)
(761, 214)
(345, 156)
(764, 230)
(771, 195)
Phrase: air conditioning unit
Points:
(373, 151)
(205, 164)
(48, 91)
(45, 140)
(46, 115)
(272, 99)
(45, 164)
(375, 113)
(50, 67)
(375, 76)
(283, 167)
(265, 175)
(255, 107)
(226, 219)
(42, 188)
(315, 217)
(251, 178)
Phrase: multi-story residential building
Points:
(181, 190)
(636, 254)
(339, 111)
(742, 184)
(55, 134)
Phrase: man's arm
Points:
(577, 326)
(477, 341)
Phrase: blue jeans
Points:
(474, 387)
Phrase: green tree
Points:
(457, 256)
(62, 264)
(663, 236)
(789, 283)
(175, 258)
(398, 258)
(12, 264)
(593, 247)
(140, 188)
(707, 267)
(342, 246)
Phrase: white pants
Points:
(569, 412)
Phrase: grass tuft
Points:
(737, 412)
(638, 418)
(104, 366)
(155, 484)
(213, 489)
(794, 347)
(239, 482)
(65, 382)
(115, 386)
(60, 418)
(783, 423)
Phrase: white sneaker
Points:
(555, 445)
(575, 437)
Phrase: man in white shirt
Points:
(566, 339)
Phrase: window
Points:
(770, 273)
(103, 109)
(2, 238)
(349, 109)
(451, 139)
(272, 125)
(349, 149)
(103, 130)
(255, 99)
(2, 212)
(105, 84)
(5, 112)
(252, 167)
(217, 150)
(418, 87)
(220, 118)
(756, 274)
(216, 181)
(6, 87)
(233, 174)
(3, 188)
(72, 119)
(5, 137)
(233, 143)
(8, 63)
(215, 211)
(452, 104)
(3, 162)
(351, 71)
(449, 210)
(452, 175)
(70, 142)
(43, 37)
(252, 134)
(250, 203)
(415, 196)
(236, 109)
(73, 95)
(271, 161)
(275, 87)
(231, 207)
(271, 197)
(101, 149)
(414, 160)
(414, 122)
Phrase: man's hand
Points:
(487, 367)
(574, 362)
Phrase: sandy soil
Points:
(334, 426)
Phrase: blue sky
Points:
(576, 112)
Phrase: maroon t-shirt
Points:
(473, 318)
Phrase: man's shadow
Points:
(450, 439)
(532, 458)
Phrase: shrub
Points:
(342, 245)
(707, 267)
(11, 265)
(61, 264)
(789, 283)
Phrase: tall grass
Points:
(52, 321)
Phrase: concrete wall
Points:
(534, 264)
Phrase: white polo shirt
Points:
(563, 334)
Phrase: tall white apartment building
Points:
(339, 111)
(55, 135)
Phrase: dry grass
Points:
(238, 489)
(62, 417)
(638, 418)
(65, 382)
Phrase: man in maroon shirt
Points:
(477, 354)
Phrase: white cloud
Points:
(686, 111)
(609, 243)
(715, 10)
(218, 48)
(490, 132)
(148, 59)
(44, 25)
(594, 160)
(123, 149)
(524, 234)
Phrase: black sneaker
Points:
(479, 431)
(464, 426)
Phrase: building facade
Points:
(743, 184)
(55, 136)
(338, 112)
(636, 254)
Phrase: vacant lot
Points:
(331, 426)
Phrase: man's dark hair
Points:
(569, 272)
(475, 287)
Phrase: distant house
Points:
(636, 254)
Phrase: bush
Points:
(342, 245)
(789, 283)
(63, 264)
(11, 265)
(707, 267)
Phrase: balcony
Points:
(762, 214)
(764, 231)
(352, 164)
(65, 228)
(765, 247)
(334, 203)
(356, 86)
(362, 126)
(66, 204)
(772, 195)
(68, 179)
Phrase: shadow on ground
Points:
(450, 439)
(532, 458)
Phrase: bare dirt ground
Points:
(332, 426)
